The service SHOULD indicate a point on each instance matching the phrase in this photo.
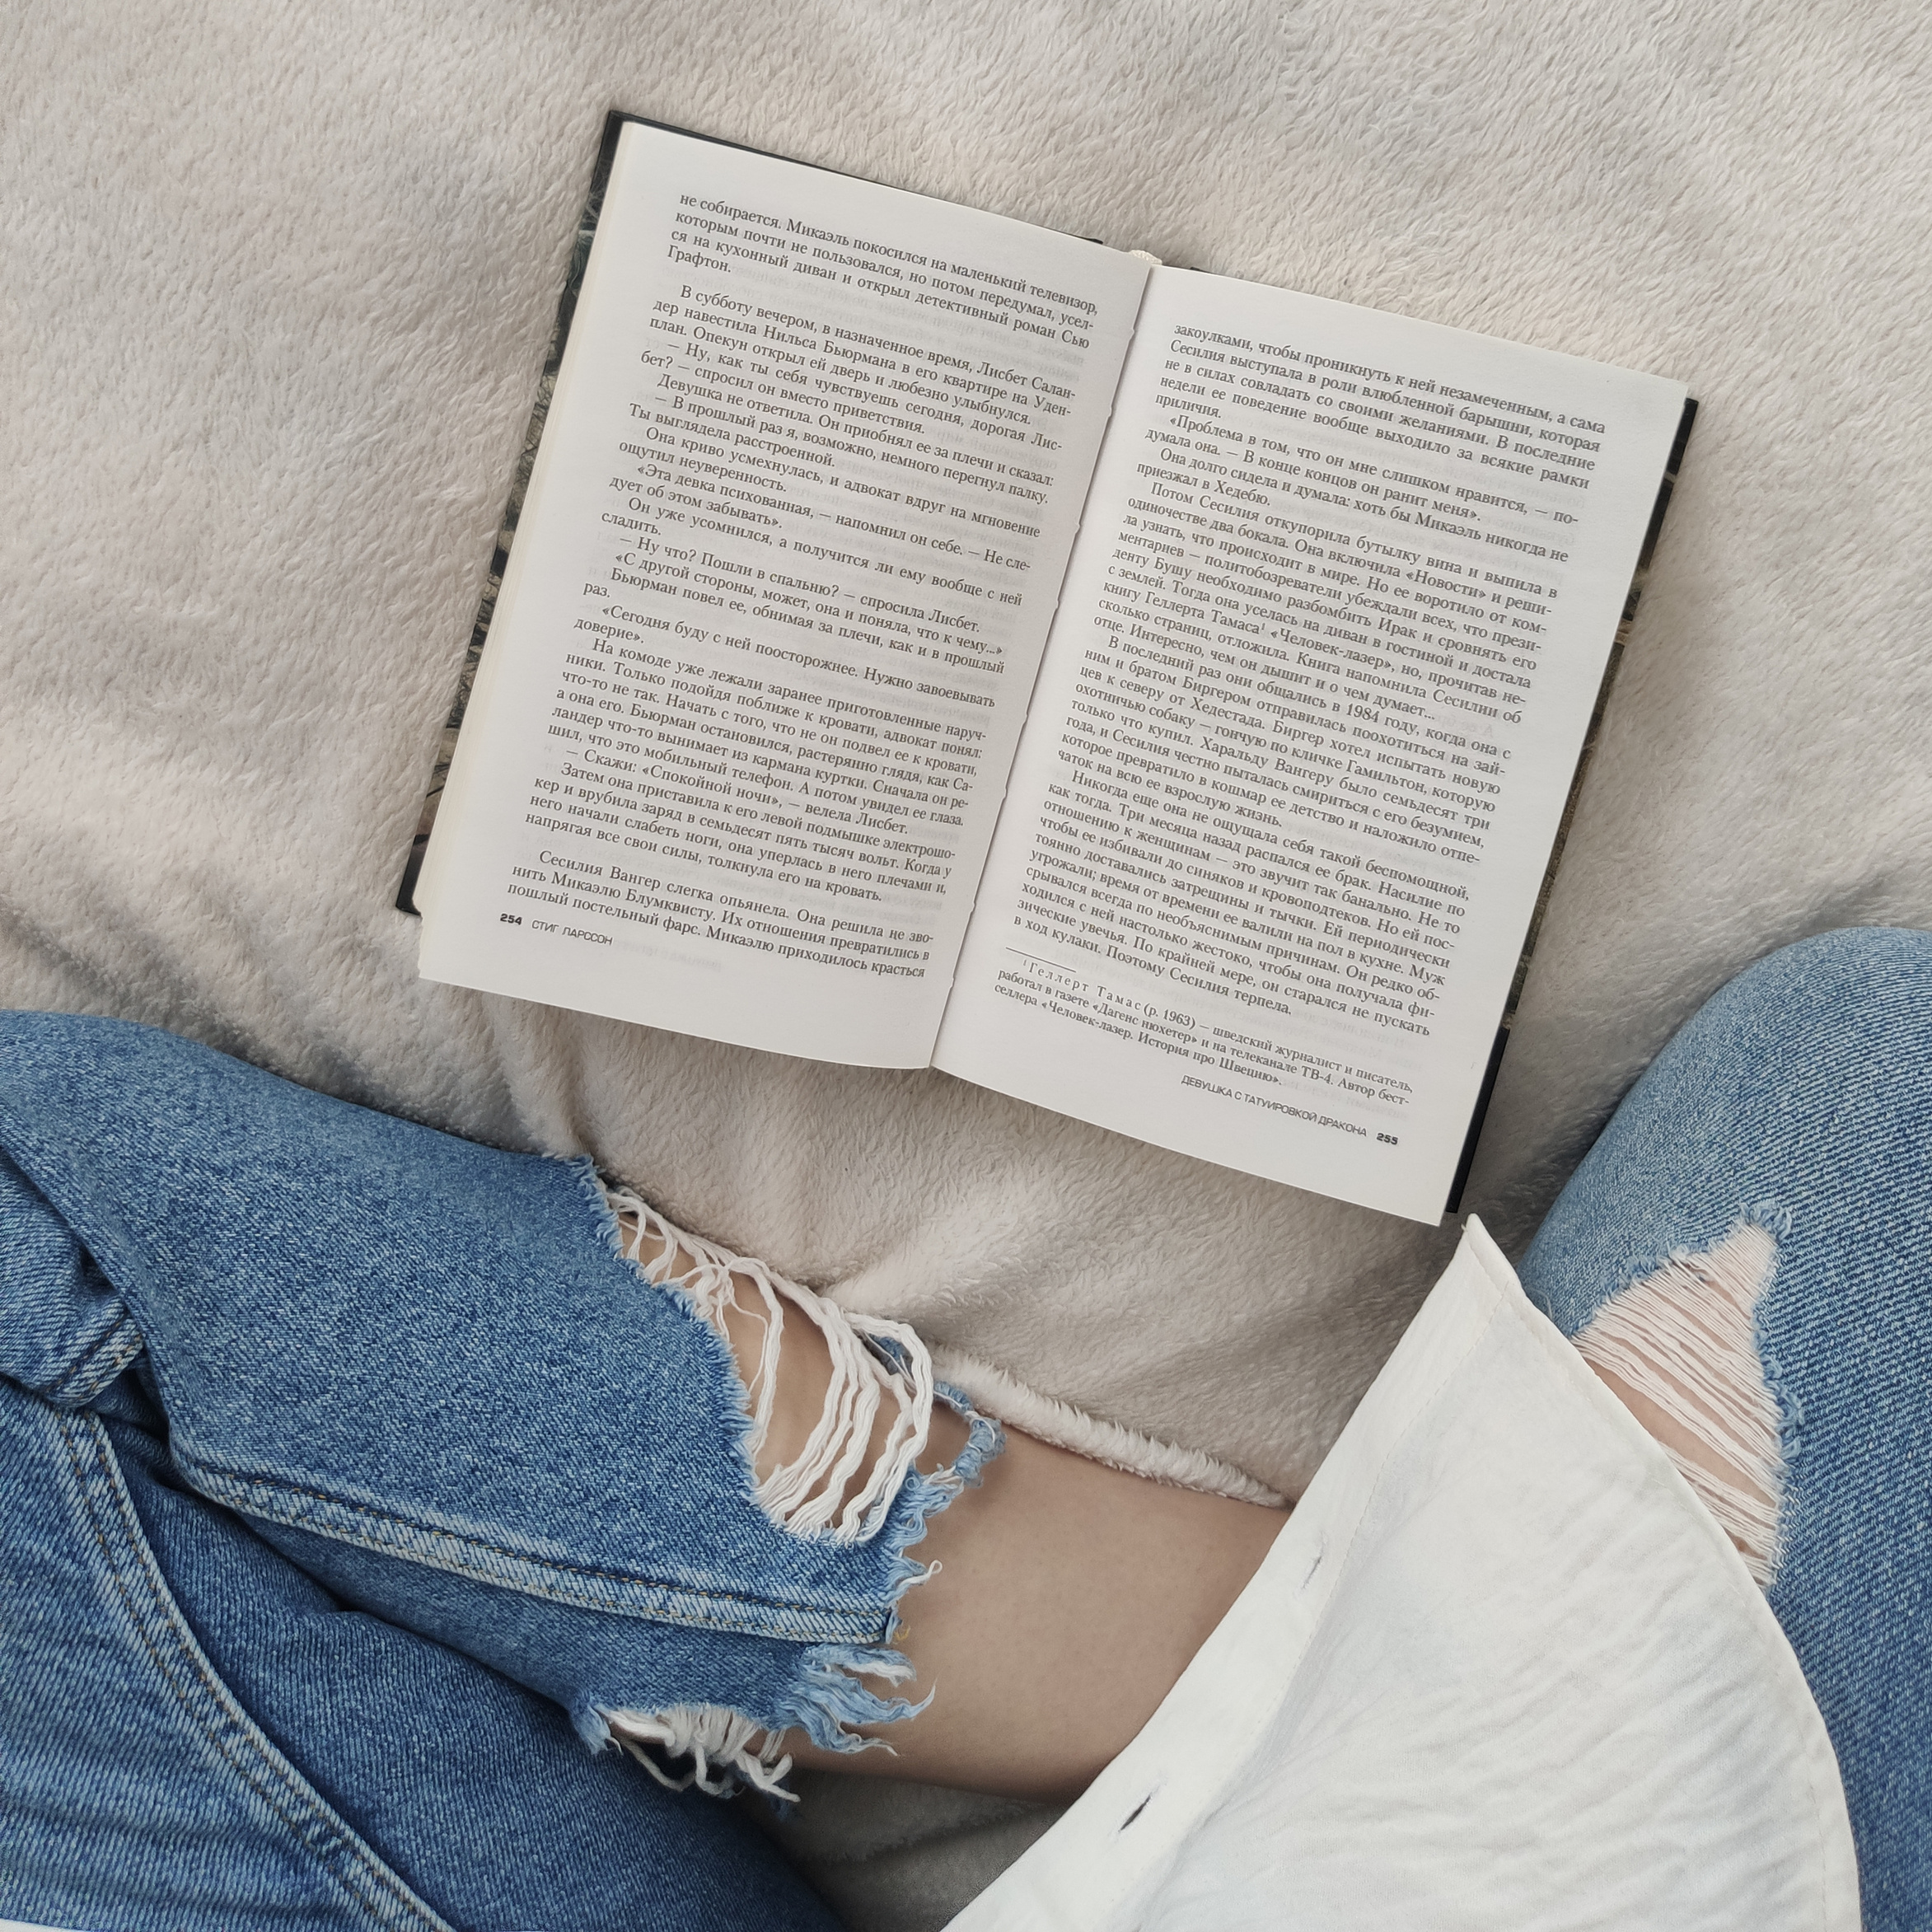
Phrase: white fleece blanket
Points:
(279, 281)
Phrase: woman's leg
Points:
(1066, 1597)
(195, 1738)
(1746, 1257)
(1070, 1598)
(422, 1372)
(449, 1400)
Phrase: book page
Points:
(1326, 658)
(791, 547)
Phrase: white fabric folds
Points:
(1501, 1668)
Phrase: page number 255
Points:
(1387, 1139)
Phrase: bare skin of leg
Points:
(1069, 1598)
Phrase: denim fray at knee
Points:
(1749, 1245)
(424, 1371)
(827, 1491)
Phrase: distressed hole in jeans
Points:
(876, 1416)
(719, 1748)
(1678, 1349)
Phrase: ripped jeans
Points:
(477, 1480)
(344, 1459)
(1749, 1245)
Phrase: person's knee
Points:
(1815, 1045)
(1679, 1348)
(1837, 992)
(1807, 1079)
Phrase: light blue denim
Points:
(330, 1440)
(384, 1352)
(1800, 1099)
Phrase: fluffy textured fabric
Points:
(280, 282)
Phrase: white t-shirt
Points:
(1501, 1669)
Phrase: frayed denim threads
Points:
(1799, 1101)
(421, 1370)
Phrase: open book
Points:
(929, 640)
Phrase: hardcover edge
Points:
(1672, 464)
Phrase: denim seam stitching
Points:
(75, 1385)
(212, 1479)
(247, 1749)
